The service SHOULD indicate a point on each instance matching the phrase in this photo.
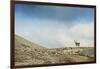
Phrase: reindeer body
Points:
(77, 43)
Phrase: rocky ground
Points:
(30, 56)
(27, 53)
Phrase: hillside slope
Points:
(20, 40)
(26, 52)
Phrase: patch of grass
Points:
(25, 45)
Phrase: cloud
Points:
(62, 36)
(84, 33)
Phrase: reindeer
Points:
(77, 43)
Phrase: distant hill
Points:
(24, 42)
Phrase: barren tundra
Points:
(29, 53)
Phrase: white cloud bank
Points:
(62, 36)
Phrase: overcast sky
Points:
(54, 26)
